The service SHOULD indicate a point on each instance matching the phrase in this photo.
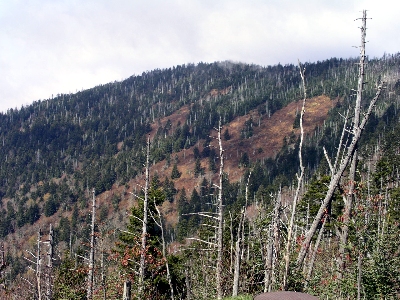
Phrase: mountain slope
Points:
(55, 151)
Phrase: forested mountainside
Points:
(54, 152)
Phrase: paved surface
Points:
(285, 296)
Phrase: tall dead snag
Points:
(350, 195)
(336, 177)
(91, 255)
(142, 263)
(3, 265)
(273, 246)
(299, 184)
(49, 278)
(164, 250)
(220, 217)
(238, 245)
(39, 267)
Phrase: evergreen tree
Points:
(175, 174)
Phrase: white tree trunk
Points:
(335, 179)
(38, 267)
(220, 218)
(49, 292)
(350, 196)
(299, 184)
(91, 256)
(142, 264)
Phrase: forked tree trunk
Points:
(164, 250)
(350, 196)
(357, 130)
(335, 180)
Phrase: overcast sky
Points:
(62, 46)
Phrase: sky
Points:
(50, 47)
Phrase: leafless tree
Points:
(337, 175)
(357, 111)
(220, 218)
(164, 250)
(91, 255)
(142, 264)
(238, 244)
(299, 184)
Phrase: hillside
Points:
(55, 151)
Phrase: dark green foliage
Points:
(175, 172)
(226, 135)
(70, 280)
(198, 169)
(33, 213)
(196, 153)
(128, 246)
(296, 123)
(59, 149)
(169, 189)
(50, 207)
(63, 230)
(311, 201)
(247, 130)
(244, 160)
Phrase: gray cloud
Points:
(49, 47)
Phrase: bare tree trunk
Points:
(220, 218)
(335, 179)
(238, 248)
(38, 267)
(49, 280)
(236, 272)
(103, 274)
(91, 256)
(127, 291)
(272, 246)
(164, 251)
(350, 196)
(277, 236)
(145, 221)
(269, 261)
(299, 184)
(314, 253)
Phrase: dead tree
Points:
(337, 175)
(220, 218)
(49, 278)
(273, 246)
(299, 184)
(357, 111)
(238, 245)
(142, 264)
(38, 270)
(3, 265)
(314, 253)
(164, 251)
(91, 255)
(38, 267)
